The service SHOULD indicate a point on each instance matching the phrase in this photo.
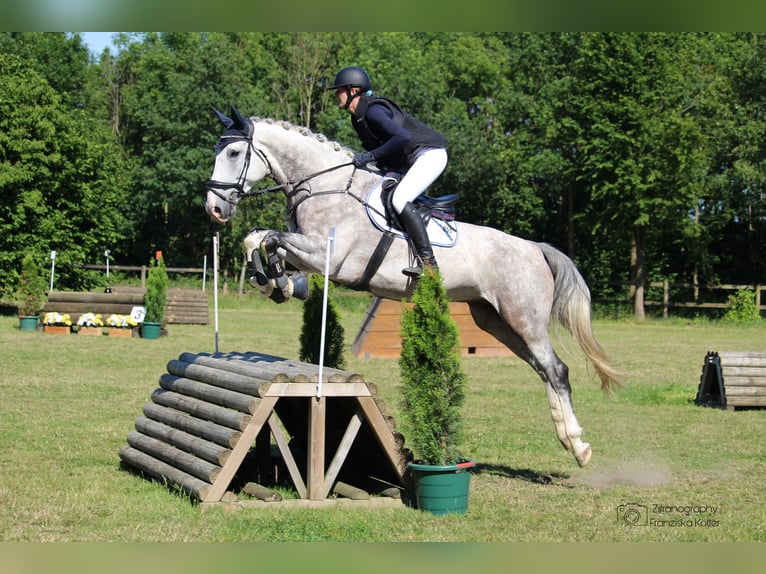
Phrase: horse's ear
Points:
(237, 117)
(241, 124)
(227, 121)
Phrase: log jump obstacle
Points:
(183, 306)
(732, 380)
(379, 335)
(225, 423)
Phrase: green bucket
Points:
(442, 489)
(28, 323)
(150, 330)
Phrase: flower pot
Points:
(28, 322)
(90, 331)
(442, 489)
(120, 332)
(57, 329)
(150, 330)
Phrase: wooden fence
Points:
(700, 297)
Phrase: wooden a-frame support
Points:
(214, 412)
(318, 482)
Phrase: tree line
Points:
(641, 155)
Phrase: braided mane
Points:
(304, 131)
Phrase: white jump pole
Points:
(204, 271)
(53, 267)
(330, 249)
(215, 288)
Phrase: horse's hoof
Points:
(583, 457)
(300, 286)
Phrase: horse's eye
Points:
(233, 154)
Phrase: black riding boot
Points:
(416, 229)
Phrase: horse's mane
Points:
(304, 131)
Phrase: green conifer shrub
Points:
(311, 330)
(432, 376)
(30, 295)
(156, 291)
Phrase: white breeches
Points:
(427, 167)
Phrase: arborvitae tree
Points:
(32, 287)
(311, 331)
(432, 377)
(156, 291)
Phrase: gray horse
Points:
(513, 287)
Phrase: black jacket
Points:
(394, 142)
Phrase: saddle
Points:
(428, 207)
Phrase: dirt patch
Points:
(635, 473)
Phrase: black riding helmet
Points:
(352, 76)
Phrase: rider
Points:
(397, 142)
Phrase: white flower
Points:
(53, 318)
(90, 320)
(123, 321)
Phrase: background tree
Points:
(61, 184)
(641, 155)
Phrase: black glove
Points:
(362, 158)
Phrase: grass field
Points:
(68, 404)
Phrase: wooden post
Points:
(665, 298)
(315, 463)
(240, 450)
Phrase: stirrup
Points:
(418, 269)
(413, 272)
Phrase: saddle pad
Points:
(441, 233)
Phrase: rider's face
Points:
(343, 95)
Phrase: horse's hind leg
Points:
(538, 352)
(568, 429)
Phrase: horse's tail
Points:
(571, 307)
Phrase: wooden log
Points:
(731, 355)
(210, 431)
(728, 370)
(96, 298)
(202, 448)
(736, 381)
(169, 454)
(751, 391)
(210, 393)
(232, 366)
(261, 492)
(216, 377)
(164, 472)
(391, 492)
(348, 491)
(745, 401)
(201, 409)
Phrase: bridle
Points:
(292, 187)
(217, 187)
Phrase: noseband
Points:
(217, 187)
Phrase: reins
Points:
(292, 187)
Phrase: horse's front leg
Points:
(272, 281)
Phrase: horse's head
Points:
(234, 172)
